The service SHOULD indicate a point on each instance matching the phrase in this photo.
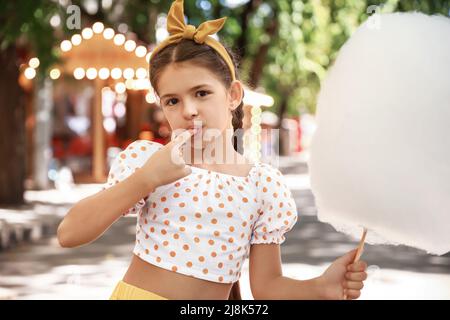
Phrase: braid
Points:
(238, 115)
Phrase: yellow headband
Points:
(178, 31)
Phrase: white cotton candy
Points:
(380, 157)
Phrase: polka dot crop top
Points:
(202, 225)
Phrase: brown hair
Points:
(204, 56)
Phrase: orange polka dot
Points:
(210, 209)
(286, 222)
(230, 198)
(173, 253)
(279, 215)
(230, 257)
(166, 222)
(146, 236)
(217, 195)
(177, 184)
(216, 233)
(269, 179)
(146, 251)
(231, 229)
(163, 199)
(220, 186)
(275, 195)
(240, 188)
(196, 239)
(211, 242)
(264, 189)
(134, 155)
(158, 259)
(176, 236)
(205, 193)
(229, 214)
(220, 265)
(182, 218)
(186, 247)
(244, 199)
(221, 205)
(244, 223)
(163, 231)
(152, 229)
(195, 198)
(199, 226)
(201, 258)
(189, 264)
(289, 213)
(174, 268)
(213, 254)
(176, 195)
(188, 190)
(231, 240)
(182, 229)
(198, 215)
(205, 271)
(143, 148)
(220, 278)
(123, 156)
(224, 247)
(155, 246)
(166, 210)
(214, 221)
(166, 243)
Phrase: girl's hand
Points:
(167, 164)
(344, 277)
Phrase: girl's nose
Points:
(190, 109)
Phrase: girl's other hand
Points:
(167, 164)
(344, 277)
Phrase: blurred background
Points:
(74, 91)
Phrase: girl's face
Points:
(192, 96)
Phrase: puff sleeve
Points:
(127, 162)
(277, 212)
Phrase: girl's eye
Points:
(202, 93)
(171, 102)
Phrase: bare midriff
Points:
(173, 285)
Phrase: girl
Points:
(196, 224)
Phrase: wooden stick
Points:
(359, 253)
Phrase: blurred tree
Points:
(24, 26)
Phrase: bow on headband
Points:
(178, 30)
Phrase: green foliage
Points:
(27, 22)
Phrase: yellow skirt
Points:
(125, 291)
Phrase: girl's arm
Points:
(268, 283)
(92, 216)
